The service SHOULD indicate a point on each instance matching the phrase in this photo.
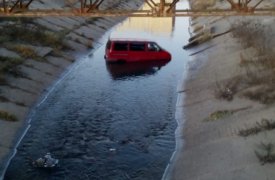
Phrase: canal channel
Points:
(109, 121)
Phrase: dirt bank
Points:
(34, 53)
(225, 108)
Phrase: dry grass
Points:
(249, 32)
(260, 69)
(262, 94)
(14, 32)
(9, 65)
(265, 153)
(264, 125)
(20, 32)
(24, 51)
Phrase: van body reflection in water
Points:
(125, 71)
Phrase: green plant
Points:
(4, 115)
(224, 113)
(219, 115)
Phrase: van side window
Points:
(120, 46)
(153, 46)
(137, 46)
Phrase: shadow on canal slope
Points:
(136, 69)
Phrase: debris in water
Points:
(45, 162)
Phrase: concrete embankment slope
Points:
(33, 53)
(225, 107)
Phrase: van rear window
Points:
(137, 47)
(120, 46)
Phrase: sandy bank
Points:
(21, 88)
(214, 111)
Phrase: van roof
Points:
(130, 40)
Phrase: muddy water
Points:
(109, 121)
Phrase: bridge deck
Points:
(160, 8)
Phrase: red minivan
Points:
(125, 50)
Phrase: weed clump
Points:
(24, 51)
(227, 89)
(218, 115)
(264, 95)
(224, 113)
(7, 116)
(264, 125)
(9, 65)
(265, 153)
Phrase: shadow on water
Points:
(120, 71)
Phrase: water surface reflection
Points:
(122, 71)
(101, 128)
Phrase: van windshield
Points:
(153, 46)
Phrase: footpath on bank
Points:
(225, 108)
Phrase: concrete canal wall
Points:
(225, 108)
(34, 53)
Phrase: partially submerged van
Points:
(126, 50)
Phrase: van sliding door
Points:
(137, 51)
